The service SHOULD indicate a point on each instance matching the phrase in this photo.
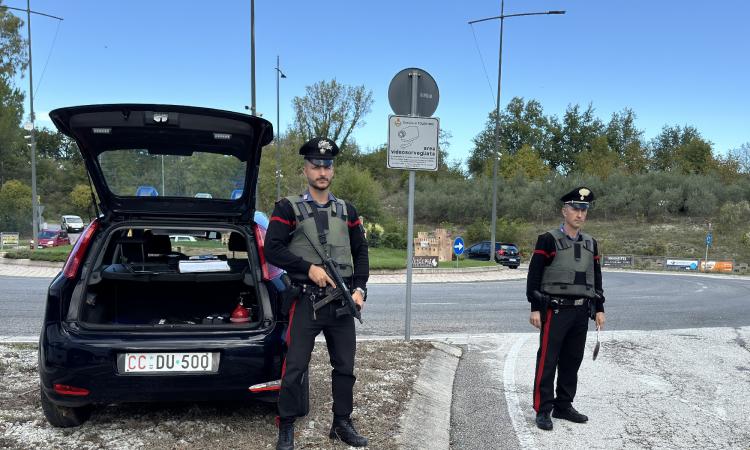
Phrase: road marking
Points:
(525, 438)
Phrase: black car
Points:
(506, 253)
(132, 319)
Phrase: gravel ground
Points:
(385, 371)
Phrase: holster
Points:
(544, 303)
(288, 295)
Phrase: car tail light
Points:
(64, 389)
(501, 252)
(262, 387)
(79, 250)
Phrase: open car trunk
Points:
(143, 280)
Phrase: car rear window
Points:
(128, 170)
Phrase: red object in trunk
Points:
(240, 314)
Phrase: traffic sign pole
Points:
(410, 224)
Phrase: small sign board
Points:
(717, 266)
(681, 264)
(413, 143)
(424, 262)
(9, 240)
(617, 260)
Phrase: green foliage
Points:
(331, 109)
(15, 207)
(355, 185)
(506, 230)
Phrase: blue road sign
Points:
(458, 246)
(709, 239)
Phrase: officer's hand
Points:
(359, 300)
(319, 276)
(536, 319)
(600, 319)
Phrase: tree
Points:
(664, 146)
(526, 162)
(332, 110)
(742, 155)
(579, 130)
(355, 184)
(521, 124)
(12, 46)
(15, 207)
(599, 159)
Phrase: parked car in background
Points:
(71, 224)
(237, 193)
(182, 238)
(146, 191)
(131, 320)
(506, 253)
(51, 238)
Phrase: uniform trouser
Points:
(561, 343)
(341, 342)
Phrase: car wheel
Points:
(63, 416)
(513, 267)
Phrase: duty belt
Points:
(560, 301)
(319, 296)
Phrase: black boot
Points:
(343, 429)
(543, 421)
(286, 436)
(569, 413)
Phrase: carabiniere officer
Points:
(318, 218)
(564, 287)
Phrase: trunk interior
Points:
(142, 279)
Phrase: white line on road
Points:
(525, 438)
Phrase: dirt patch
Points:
(385, 372)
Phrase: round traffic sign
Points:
(458, 246)
(400, 92)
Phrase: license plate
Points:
(512, 259)
(171, 362)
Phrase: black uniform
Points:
(304, 327)
(563, 334)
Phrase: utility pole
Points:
(29, 126)
(496, 155)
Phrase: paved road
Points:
(635, 301)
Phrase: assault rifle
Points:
(333, 272)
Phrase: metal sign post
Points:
(709, 242)
(458, 248)
(423, 95)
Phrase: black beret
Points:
(319, 149)
(580, 197)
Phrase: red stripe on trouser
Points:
(540, 369)
(288, 336)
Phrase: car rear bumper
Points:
(91, 364)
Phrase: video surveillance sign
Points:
(413, 142)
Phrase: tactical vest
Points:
(332, 239)
(571, 272)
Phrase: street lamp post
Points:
(30, 125)
(279, 75)
(496, 156)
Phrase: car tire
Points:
(513, 267)
(63, 416)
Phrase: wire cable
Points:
(489, 84)
(52, 48)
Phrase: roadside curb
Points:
(30, 263)
(426, 423)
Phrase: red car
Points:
(51, 238)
